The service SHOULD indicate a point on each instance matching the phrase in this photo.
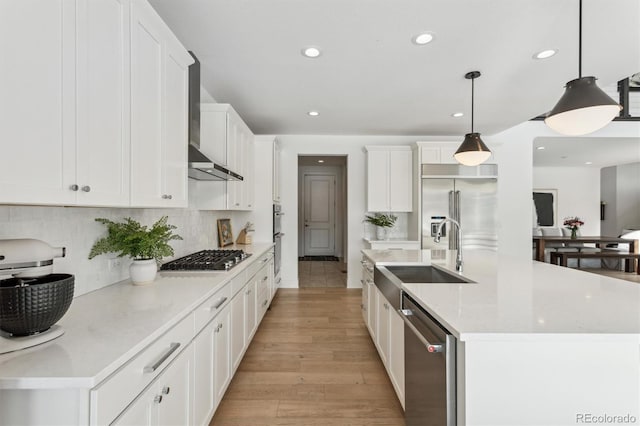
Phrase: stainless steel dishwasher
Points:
(430, 368)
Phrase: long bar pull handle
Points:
(218, 303)
(172, 348)
(452, 214)
(432, 348)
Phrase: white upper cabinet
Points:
(159, 136)
(389, 179)
(434, 152)
(69, 90)
(226, 139)
(37, 112)
(276, 172)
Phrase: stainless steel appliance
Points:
(465, 194)
(277, 238)
(430, 368)
(200, 166)
(32, 298)
(207, 260)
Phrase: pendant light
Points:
(472, 151)
(584, 107)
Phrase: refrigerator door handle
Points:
(452, 214)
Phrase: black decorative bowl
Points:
(32, 305)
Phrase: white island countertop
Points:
(513, 298)
(105, 328)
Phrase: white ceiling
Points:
(576, 152)
(371, 79)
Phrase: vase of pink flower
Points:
(574, 223)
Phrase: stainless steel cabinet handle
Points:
(236, 204)
(166, 390)
(264, 279)
(265, 303)
(86, 188)
(248, 292)
(385, 306)
(165, 196)
(170, 197)
(218, 303)
(157, 399)
(74, 187)
(432, 348)
(172, 348)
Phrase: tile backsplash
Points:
(76, 229)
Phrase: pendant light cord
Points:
(580, 41)
(472, 102)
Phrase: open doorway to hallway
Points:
(322, 221)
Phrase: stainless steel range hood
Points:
(200, 166)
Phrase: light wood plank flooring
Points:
(322, 274)
(311, 362)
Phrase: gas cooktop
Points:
(207, 260)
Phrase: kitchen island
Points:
(537, 344)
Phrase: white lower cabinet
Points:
(387, 332)
(238, 341)
(250, 323)
(212, 367)
(167, 400)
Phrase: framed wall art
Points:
(225, 236)
(545, 207)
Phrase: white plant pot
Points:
(143, 271)
(381, 233)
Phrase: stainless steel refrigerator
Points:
(466, 194)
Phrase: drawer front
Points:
(237, 283)
(257, 264)
(113, 395)
(211, 307)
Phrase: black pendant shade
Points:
(584, 107)
(472, 151)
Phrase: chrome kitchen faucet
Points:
(458, 240)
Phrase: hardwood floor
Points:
(322, 274)
(311, 362)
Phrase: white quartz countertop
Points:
(105, 328)
(519, 298)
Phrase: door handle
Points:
(431, 348)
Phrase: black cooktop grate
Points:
(207, 260)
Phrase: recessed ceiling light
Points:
(545, 54)
(423, 38)
(588, 162)
(311, 52)
(313, 113)
(540, 147)
(457, 114)
(320, 161)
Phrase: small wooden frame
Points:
(225, 236)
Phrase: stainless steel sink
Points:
(424, 274)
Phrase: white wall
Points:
(76, 229)
(578, 193)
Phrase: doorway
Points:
(322, 216)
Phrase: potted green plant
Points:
(382, 222)
(146, 246)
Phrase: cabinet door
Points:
(400, 181)
(238, 340)
(103, 81)
(175, 388)
(222, 352)
(276, 172)
(396, 353)
(37, 111)
(249, 172)
(146, 108)
(250, 310)
(203, 380)
(234, 153)
(176, 137)
(365, 298)
(382, 337)
(377, 181)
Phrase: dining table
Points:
(540, 241)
